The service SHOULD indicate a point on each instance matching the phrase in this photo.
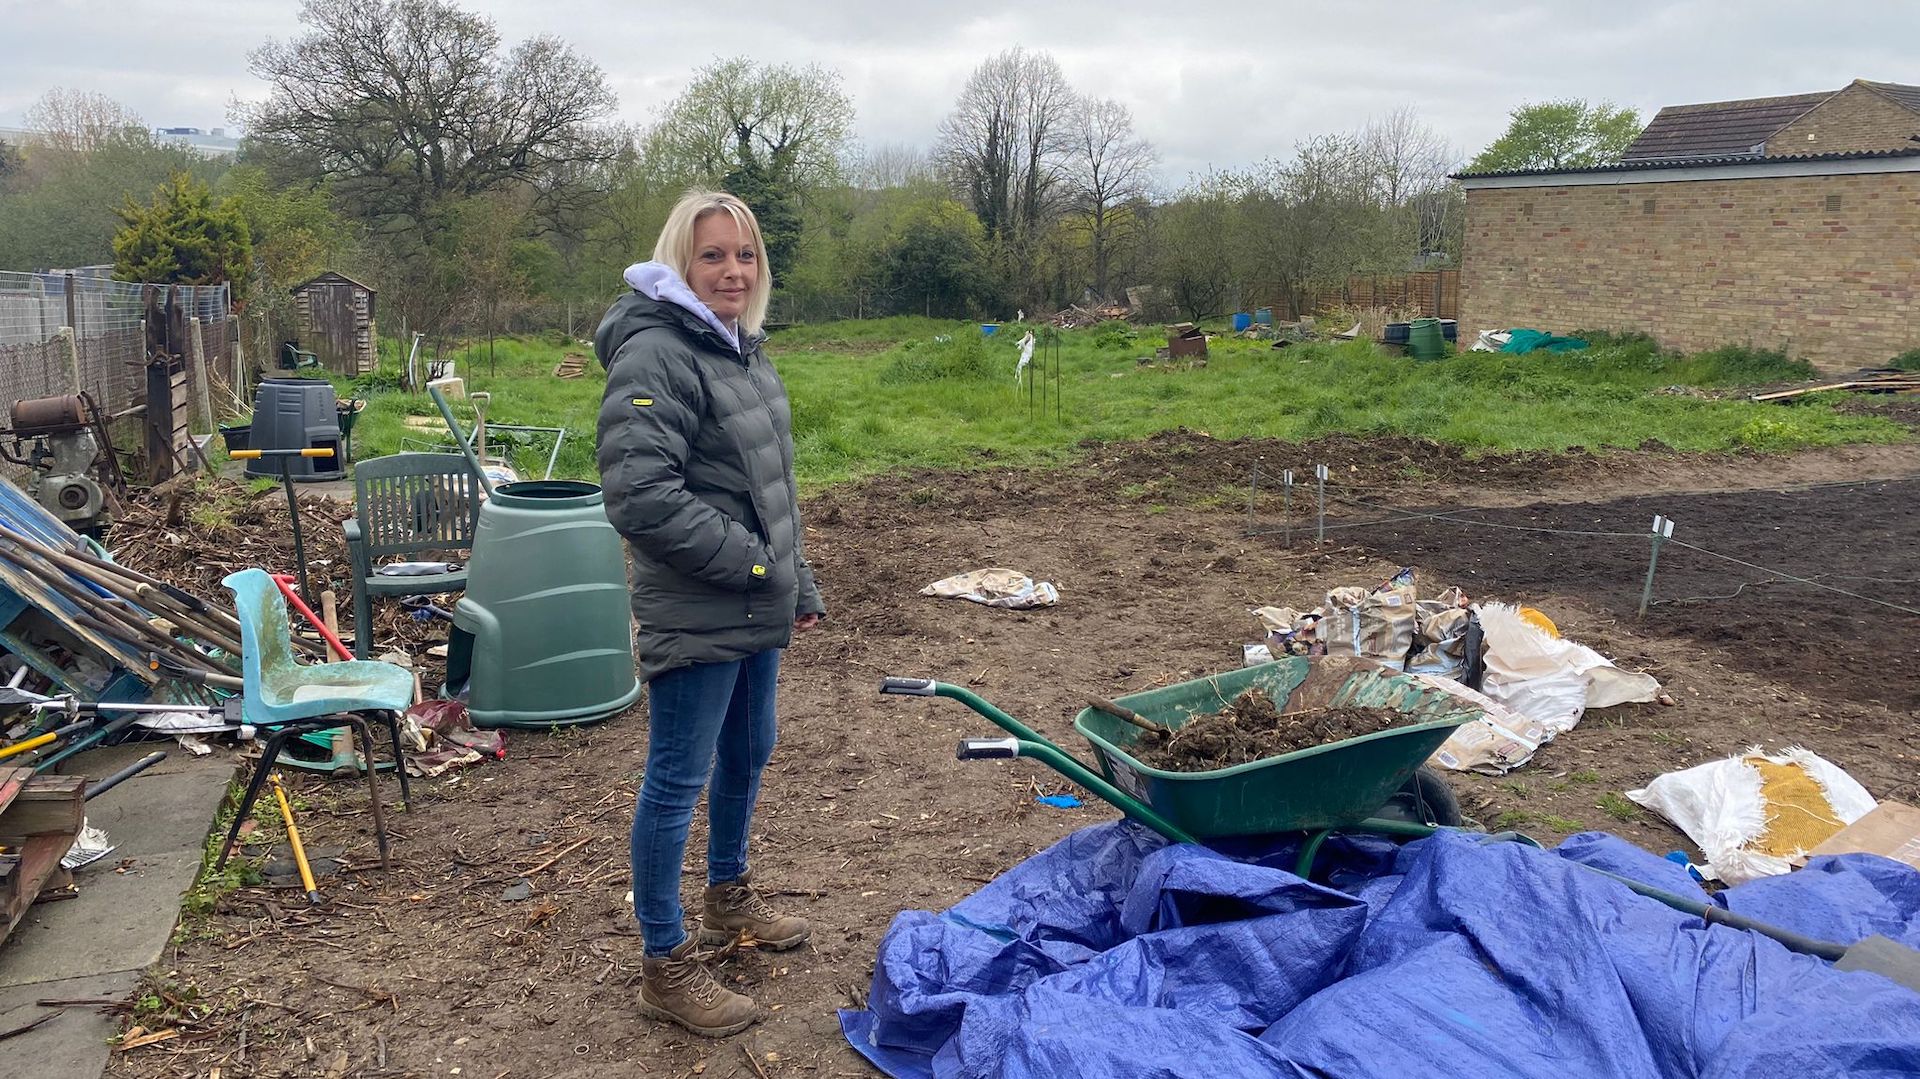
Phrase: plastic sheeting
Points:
(1114, 953)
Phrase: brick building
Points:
(1790, 222)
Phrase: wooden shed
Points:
(333, 316)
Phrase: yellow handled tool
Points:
(255, 455)
(293, 840)
(28, 745)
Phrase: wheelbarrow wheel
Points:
(1425, 798)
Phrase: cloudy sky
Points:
(1211, 83)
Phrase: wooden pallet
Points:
(40, 816)
(571, 366)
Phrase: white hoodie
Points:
(658, 281)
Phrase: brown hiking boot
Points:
(733, 908)
(680, 989)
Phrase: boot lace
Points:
(743, 897)
(691, 975)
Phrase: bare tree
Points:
(1111, 167)
(78, 121)
(410, 108)
(1005, 145)
(1412, 162)
(407, 104)
(891, 164)
(1411, 158)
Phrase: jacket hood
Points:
(658, 281)
(661, 298)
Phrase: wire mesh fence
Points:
(108, 356)
(81, 331)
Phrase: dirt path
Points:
(865, 812)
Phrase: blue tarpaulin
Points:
(1115, 953)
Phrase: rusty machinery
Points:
(73, 472)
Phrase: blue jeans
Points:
(698, 716)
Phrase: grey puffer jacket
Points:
(696, 458)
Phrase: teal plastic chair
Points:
(405, 505)
(285, 700)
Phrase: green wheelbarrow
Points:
(1373, 783)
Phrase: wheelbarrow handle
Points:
(908, 687)
(986, 749)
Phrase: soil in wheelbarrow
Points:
(1253, 728)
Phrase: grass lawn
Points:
(884, 394)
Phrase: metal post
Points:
(1286, 506)
(1662, 531)
(293, 512)
(1320, 487)
(1253, 494)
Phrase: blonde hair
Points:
(675, 245)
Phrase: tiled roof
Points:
(1719, 128)
(1900, 92)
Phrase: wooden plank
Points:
(39, 859)
(11, 780)
(1883, 385)
(46, 805)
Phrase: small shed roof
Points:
(332, 276)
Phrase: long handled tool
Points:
(293, 840)
(285, 459)
(460, 440)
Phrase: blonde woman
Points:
(696, 456)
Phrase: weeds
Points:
(882, 395)
(1618, 807)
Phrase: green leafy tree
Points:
(1189, 265)
(935, 266)
(61, 209)
(770, 133)
(1567, 134)
(776, 205)
(182, 237)
(409, 108)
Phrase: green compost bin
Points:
(1326, 786)
(543, 636)
(1425, 339)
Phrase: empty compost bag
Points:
(1494, 743)
(1374, 624)
(995, 588)
(1753, 814)
(1551, 680)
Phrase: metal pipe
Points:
(28, 745)
(285, 584)
(124, 774)
(145, 596)
(473, 462)
(1061, 761)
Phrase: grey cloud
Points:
(1220, 84)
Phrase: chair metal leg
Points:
(399, 758)
(365, 735)
(269, 754)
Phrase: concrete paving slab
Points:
(72, 1045)
(97, 944)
